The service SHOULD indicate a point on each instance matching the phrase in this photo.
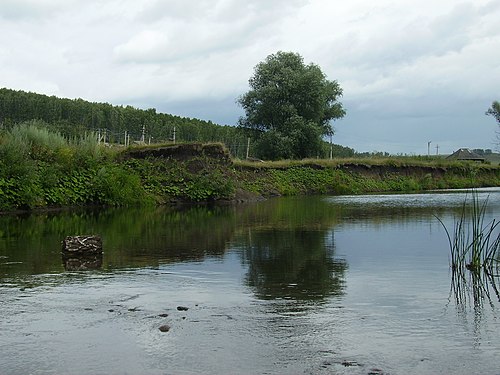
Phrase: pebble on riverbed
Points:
(182, 308)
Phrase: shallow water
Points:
(342, 285)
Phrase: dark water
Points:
(315, 285)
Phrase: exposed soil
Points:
(183, 152)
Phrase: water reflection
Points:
(285, 286)
(284, 242)
(31, 244)
(293, 263)
(72, 262)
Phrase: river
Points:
(306, 285)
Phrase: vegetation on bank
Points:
(40, 168)
(124, 124)
(347, 178)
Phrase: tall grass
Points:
(474, 253)
(32, 140)
(39, 167)
(474, 243)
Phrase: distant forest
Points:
(74, 117)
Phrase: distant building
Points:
(466, 155)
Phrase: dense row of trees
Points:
(75, 117)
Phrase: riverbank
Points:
(359, 177)
(201, 173)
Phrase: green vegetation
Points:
(475, 247)
(357, 176)
(199, 179)
(494, 111)
(474, 244)
(74, 117)
(289, 108)
(41, 168)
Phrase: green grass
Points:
(396, 161)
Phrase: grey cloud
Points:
(178, 30)
(225, 11)
(406, 41)
(26, 9)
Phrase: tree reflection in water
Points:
(293, 264)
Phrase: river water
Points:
(309, 285)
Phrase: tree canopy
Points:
(494, 111)
(73, 117)
(289, 107)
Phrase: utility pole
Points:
(174, 135)
(143, 133)
(429, 148)
(125, 140)
(437, 149)
(248, 147)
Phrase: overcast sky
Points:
(412, 71)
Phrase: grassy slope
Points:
(83, 174)
(356, 176)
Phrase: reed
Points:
(474, 243)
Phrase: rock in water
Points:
(164, 328)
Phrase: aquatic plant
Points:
(474, 244)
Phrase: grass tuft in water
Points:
(474, 244)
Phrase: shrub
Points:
(117, 186)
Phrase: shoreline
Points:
(196, 174)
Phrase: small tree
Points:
(289, 107)
(494, 111)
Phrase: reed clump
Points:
(474, 242)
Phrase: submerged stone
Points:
(164, 328)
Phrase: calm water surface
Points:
(315, 285)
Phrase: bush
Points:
(117, 186)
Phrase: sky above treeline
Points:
(412, 71)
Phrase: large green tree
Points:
(494, 111)
(289, 107)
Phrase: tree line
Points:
(75, 117)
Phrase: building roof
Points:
(465, 154)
